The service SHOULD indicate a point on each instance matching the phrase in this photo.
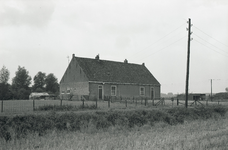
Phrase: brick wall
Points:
(126, 90)
(74, 81)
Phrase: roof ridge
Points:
(109, 60)
(115, 71)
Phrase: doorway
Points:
(152, 93)
(100, 92)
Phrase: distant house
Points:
(98, 78)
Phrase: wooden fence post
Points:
(177, 102)
(153, 101)
(108, 102)
(96, 102)
(83, 103)
(61, 102)
(126, 102)
(33, 104)
(145, 101)
(2, 106)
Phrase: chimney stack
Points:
(143, 64)
(73, 55)
(126, 61)
(97, 57)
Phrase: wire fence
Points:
(18, 106)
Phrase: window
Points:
(142, 91)
(63, 92)
(113, 90)
(68, 91)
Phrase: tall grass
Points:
(65, 107)
(197, 134)
(121, 124)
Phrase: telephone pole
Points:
(188, 60)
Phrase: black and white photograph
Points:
(113, 74)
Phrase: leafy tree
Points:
(227, 89)
(4, 75)
(5, 92)
(52, 85)
(20, 84)
(39, 82)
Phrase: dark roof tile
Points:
(111, 71)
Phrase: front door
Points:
(152, 93)
(100, 92)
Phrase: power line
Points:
(158, 40)
(210, 48)
(210, 43)
(163, 48)
(211, 36)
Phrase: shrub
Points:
(65, 107)
(21, 126)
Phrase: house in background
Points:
(98, 78)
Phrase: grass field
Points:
(211, 134)
(26, 106)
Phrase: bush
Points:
(21, 126)
(65, 107)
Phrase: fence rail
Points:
(34, 105)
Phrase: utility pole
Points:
(188, 60)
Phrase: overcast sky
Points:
(40, 34)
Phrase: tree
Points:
(227, 89)
(52, 85)
(20, 84)
(4, 75)
(39, 82)
(5, 92)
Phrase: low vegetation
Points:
(65, 107)
(17, 127)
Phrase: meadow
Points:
(10, 107)
(173, 128)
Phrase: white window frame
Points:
(142, 93)
(115, 91)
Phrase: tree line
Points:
(21, 84)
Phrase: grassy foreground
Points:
(138, 129)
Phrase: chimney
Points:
(97, 57)
(126, 61)
(143, 64)
(73, 55)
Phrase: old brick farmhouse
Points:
(100, 78)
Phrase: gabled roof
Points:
(111, 71)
